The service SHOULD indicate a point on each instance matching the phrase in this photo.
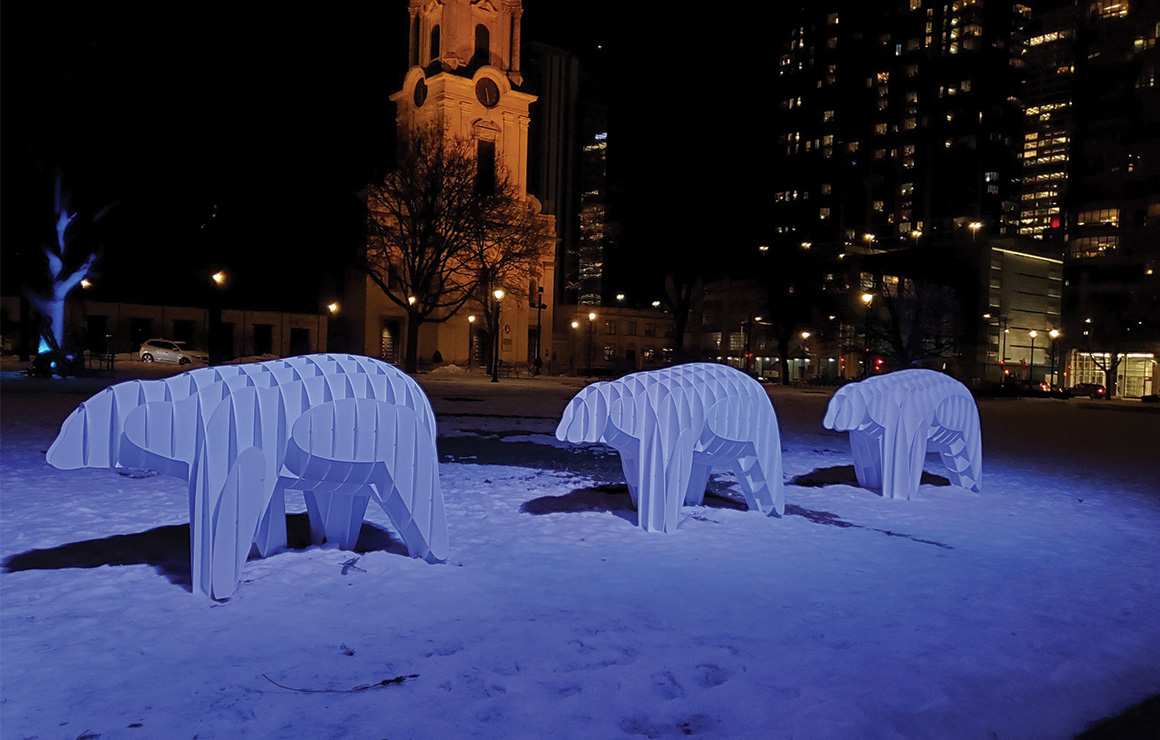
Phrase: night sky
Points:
(272, 122)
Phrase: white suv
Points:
(167, 350)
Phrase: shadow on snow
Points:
(167, 550)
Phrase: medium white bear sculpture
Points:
(342, 429)
(672, 426)
(895, 419)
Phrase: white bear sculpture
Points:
(672, 426)
(895, 419)
(342, 429)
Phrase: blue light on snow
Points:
(43, 347)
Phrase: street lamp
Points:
(974, 226)
(470, 330)
(1054, 334)
(591, 331)
(867, 298)
(498, 293)
(1031, 365)
(805, 353)
(572, 357)
(213, 330)
(539, 329)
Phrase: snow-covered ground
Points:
(1026, 611)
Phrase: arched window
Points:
(482, 44)
(434, 43)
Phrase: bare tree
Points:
(921, 321)
(1107, 335)
(69, 262)
(441, 232)
(684, 292)
(509, 244)
(792, 278)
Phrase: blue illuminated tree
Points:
(69, 261)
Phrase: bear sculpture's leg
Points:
(904, 450)
(698, 482)
(271, 536)
(235, 522)
(866, 449)
(336, 517)
(958, 440)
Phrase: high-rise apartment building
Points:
(1047, 119)
(1112, 257)
(897, 119)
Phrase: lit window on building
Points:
(1103, 216)
(832, 19)
(823, 213)
(1109, 8)
(1092, 246)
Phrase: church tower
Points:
(464, 72)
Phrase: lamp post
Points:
(572, 357)
(539, 329)
(591, 331)
(470, 331)
(805, 353)
(867, 298)
(749, 345)
(213, 330)
(1054, 334)
(498, 294)
(974, 226)
(1031, 365)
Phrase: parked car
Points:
(1091, 390)
(168, 350)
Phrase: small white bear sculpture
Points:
(671, 426)
(895, 419)
(342, 429)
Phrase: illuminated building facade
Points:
(465, 74)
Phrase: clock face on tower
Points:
(420, 93)
(487, 92)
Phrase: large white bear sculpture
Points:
(342, 429)
(895, 419)
(672, 426)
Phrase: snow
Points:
(1028, 610)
